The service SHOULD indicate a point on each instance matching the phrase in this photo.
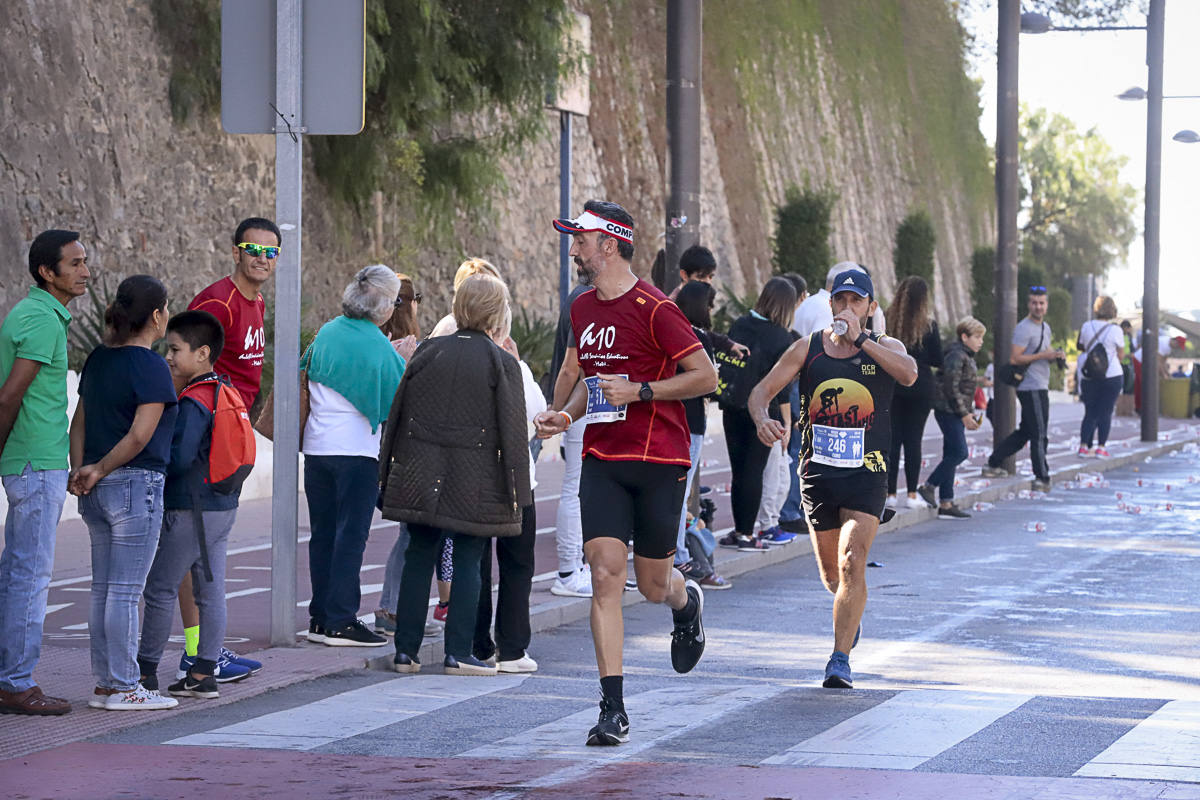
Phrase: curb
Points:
(564, 610)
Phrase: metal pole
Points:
(684, 45)
(564, 205)
(1003, 412)
(1154, 61)
(288, 183)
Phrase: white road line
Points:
(902, 732)
(245, 592)
(655, 717)
(261, 569)
(50, 609)
(78, 626)
(351, 713)
(1163, 747)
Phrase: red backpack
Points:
(231, 456)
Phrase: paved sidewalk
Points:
(64, 670)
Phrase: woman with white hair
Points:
(352, 371)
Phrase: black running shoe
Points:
(191, 686)
(687, 640)
(613, 727)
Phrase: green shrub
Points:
(915, 242)
(802, 230)
(534, 337)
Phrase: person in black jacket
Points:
(454, 461)
(909, 321)
(765, 331)
(954, 407)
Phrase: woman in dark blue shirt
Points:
(120, 447)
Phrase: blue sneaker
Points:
(857, 636)
(837, 672)
(248, 663)
(777, 536)
(227, 671)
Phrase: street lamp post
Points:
(1003, 411)
(1039, 23)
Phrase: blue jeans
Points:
(954, 452)
(1099, 400)
(792, 509)
(35, 501)
(681, 552)
(341, 492)
(123, 513)
(390, 594)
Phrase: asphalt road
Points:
(995, 661)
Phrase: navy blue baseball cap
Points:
(853, 280)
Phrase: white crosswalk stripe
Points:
(352, 713)
(1165, 746)
(902, 732)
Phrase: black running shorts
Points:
(824, 498)
(632, 499)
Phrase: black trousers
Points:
(747, 460)
(514, 555)
(909, 415)
(1035, 418)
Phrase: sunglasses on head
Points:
(416, 299)
(1037, 289)
(256, 250)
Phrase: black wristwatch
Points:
(862, 337)
(645, 394)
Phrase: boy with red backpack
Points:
(212, 452)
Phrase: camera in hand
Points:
(1061, 362)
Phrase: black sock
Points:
(612, 687)
(562, 574)
(688, 612)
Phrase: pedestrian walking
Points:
(1101, 349)
(352, 371)
(954, 411)
(909, 320)
(120, 448)
(791, 514)
(455, 462)
(764, 330)
(1029, 370)
(846, 380)
(34, 459)
(631, 340)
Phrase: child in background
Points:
(194, 342)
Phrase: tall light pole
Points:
(1003, 411)
(684, 44)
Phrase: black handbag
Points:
(1013, 374)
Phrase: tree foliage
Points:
(915, 243)
(1078, 216)
(802, 231)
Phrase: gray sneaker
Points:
(952, 512)
(995, 472)
(926, 493)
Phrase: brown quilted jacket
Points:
(454, 453)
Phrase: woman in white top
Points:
(1099, 393)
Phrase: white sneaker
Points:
(915, 502)
(577, 584)
(139, 698)
(522, 664)
(890, 502)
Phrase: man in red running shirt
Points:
(237, 303)
(630, 339)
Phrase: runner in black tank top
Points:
(846, 384)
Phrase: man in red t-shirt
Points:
(630, 341)
(236, 301)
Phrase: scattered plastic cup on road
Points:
(1039, 527)
(982, 483)
(983, 506)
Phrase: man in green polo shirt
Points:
(33, 459)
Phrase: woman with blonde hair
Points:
(454, 462)
(472, 266)
(954, 407)
(1099, 388)
(909, 320)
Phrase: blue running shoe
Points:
(777, 536)
(248, 663)
(837, 672)
(186, 662)
(228, 671)
(857, 636)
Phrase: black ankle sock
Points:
(562, 574)
(613, 688)
(688, 612)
